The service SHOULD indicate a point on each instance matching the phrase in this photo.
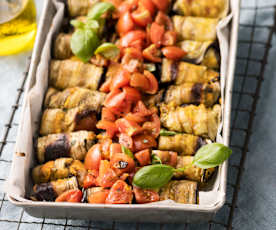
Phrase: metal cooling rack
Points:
(251, 63)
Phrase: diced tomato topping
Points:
(106, 143)
(141, 109)
(143, 141)
(153, 126)
(169, 38)
(90, 179)
(122, 78)
(109, 126)
(167, 157)
(162, 5)
(128, 127)
(125, 23)
(107, 177)
(98, 197)
(122, 163)
(93, 157)
(153, 82)
(152, 54)
(128, 5)
(126, 140)
(105, 88)
(132, 94)
(132, 59)
(163, 19)
(143, 157)
(141, 16)
(148, 4)
(139, 118)
(139, 81)
(156, 33)
(132, 36)
(132, 174)
(120, 193)
(115, 148)
(173, 52)
(107, 115)
(145, 195)
(73, 195)
(114, 99)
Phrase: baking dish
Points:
(19, 184)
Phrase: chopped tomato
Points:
(115, 148)
(141, 109)
(169, 38)
(153, 82)
(123, 109)
(126, 140)
(132, 94)
(114, 99)
(132, 59)
(107, 177)
(139, 81)
(137, 117)
(128, 5)
(132, 174)
(128, 127)
(145, 195)
(107, 115)
(156, 34)
(173, 52)
(151, 53)
(105, 88)
(122, 163)
(97, 195)
(167, 157)
(109, 126)
(162, 5)
(153, 126)
(124, 176)
(121, 79)
(141, 16)
(148, 4)
(106, 143)
(93, 157)
(143, 141)
(90, 179)
(132, 36)
(163, 19)
(143, 157)
(120, 193)
(72, 195)
(125, 23)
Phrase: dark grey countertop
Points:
(255, 207)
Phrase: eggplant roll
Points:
(62, 121)
(74, 145)
(71, 73)
(211, 59)
(184, 72)
(181, 191)
(195, 28)
(62, 48)
(79, 7)
(191, 119)
(192, 172)
(189, 93)
(74, 97)
(51, 190)
(184, 144)
(195, 50)
(59, 169)
(201, 8)
(154, 100)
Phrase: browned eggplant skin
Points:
(181, 191)
(74, 145)
(79, 7)
(184, 144)
(51, 190)
(62, 48)
(59, 169)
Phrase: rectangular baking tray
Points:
(161, 213)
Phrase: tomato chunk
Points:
(169, 38)
(138, 118)
(141, 16)
(109, 126)
(115, 148)
(132, 59)
(122, 163)
(156, 34)
(143, 157)
(125, 23)
(152, 81)
(163, 19)
(126, 140)
(152, 54)
(114, 99)
(166, 157)
(132, 36)
(148, 4)
(90, 179)
(143, 141)
(107, 177)
(173, 52)
(120, 193)
(132, 94)
(97, 195)
(128, 127)
(73, 195)
(141, 109)
(105, 87)
(153, 126)
(121, 79)
(145, 195)
(93, 157)
(107, 115)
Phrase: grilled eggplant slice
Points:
(193, 93)
(184, 72)
(61, 121)
(79, 7)
(211, 59)
(184, 144)
(59, 169)
(74, 145)
(51, 190)
(192, 172)
(154, 100)
(195, 28)
(181, 191)
(74, 97)
(202, 8)
(191, 119)
(62, 48)
(71, 73)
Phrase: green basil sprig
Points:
(158, 175)
(99, 9)
(155, 159)
(164, 132)
(108, 50)
(127, 151)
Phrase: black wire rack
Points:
(252, 59)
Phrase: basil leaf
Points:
(99, 9)
(92, 25)
(127, 151)
(77, 23)
(153, 176)
(83, 43)
(108, 50)
(211, 155)
(155, 159)
(164, 132)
